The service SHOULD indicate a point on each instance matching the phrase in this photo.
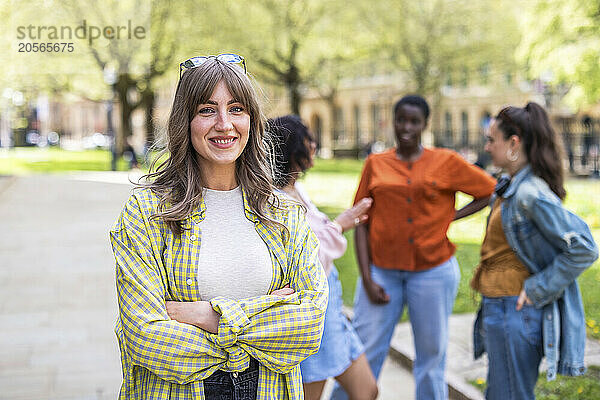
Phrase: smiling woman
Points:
(219, 133)
(220, 290)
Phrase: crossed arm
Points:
(279, 330)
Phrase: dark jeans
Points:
(513, 340)
(233, 385)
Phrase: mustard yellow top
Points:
(499, 273)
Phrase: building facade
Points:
(361, 113)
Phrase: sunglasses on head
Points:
(198, 61)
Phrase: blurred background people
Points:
(404, 255)
(533, 251)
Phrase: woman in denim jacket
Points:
(531, 256)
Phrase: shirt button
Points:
(411, 240)
(408, 199)
(193, 237)
(409, 220)
(549, 316)
(408, 181)
(190, 281)
(550, 345)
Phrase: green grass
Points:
(29, 160)
(584, 387)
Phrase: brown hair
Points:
(542, 145)
(177, 179)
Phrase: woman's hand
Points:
(284, 291)
(376, 293)
(522, 300)
(354, 216)
(197, 313)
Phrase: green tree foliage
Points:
(563, 37)
(291, 42)
(432, 40)
(136, 64)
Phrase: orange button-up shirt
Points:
(413, 205)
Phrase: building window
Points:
(464, 131)
(375, 121)
(448, 129)
(338, 133)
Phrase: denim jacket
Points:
(556, 246)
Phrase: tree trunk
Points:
(295, 97)
(122, 86)
(148, 100)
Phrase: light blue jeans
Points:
(429, 296)
(513, 341)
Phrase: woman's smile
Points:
(223, 142)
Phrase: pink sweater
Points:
(332, 243)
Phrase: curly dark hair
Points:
(289, 138)
(414, 100)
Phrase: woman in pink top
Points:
(341, 354)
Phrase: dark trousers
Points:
(233, 385)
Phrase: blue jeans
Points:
(223, 385)
(429, 296)
(513, 341)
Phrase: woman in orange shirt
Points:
(404, 255)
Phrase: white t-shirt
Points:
(234, 261)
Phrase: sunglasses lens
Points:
(229, 58)
(195, 61)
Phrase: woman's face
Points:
(220, 129)
(409, 123)
(497, 146)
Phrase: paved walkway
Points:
(57, 296)
(58, 302)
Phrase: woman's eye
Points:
(205, 110)
(237, 109)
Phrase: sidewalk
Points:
(57, 293)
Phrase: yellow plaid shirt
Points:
(166, 359)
